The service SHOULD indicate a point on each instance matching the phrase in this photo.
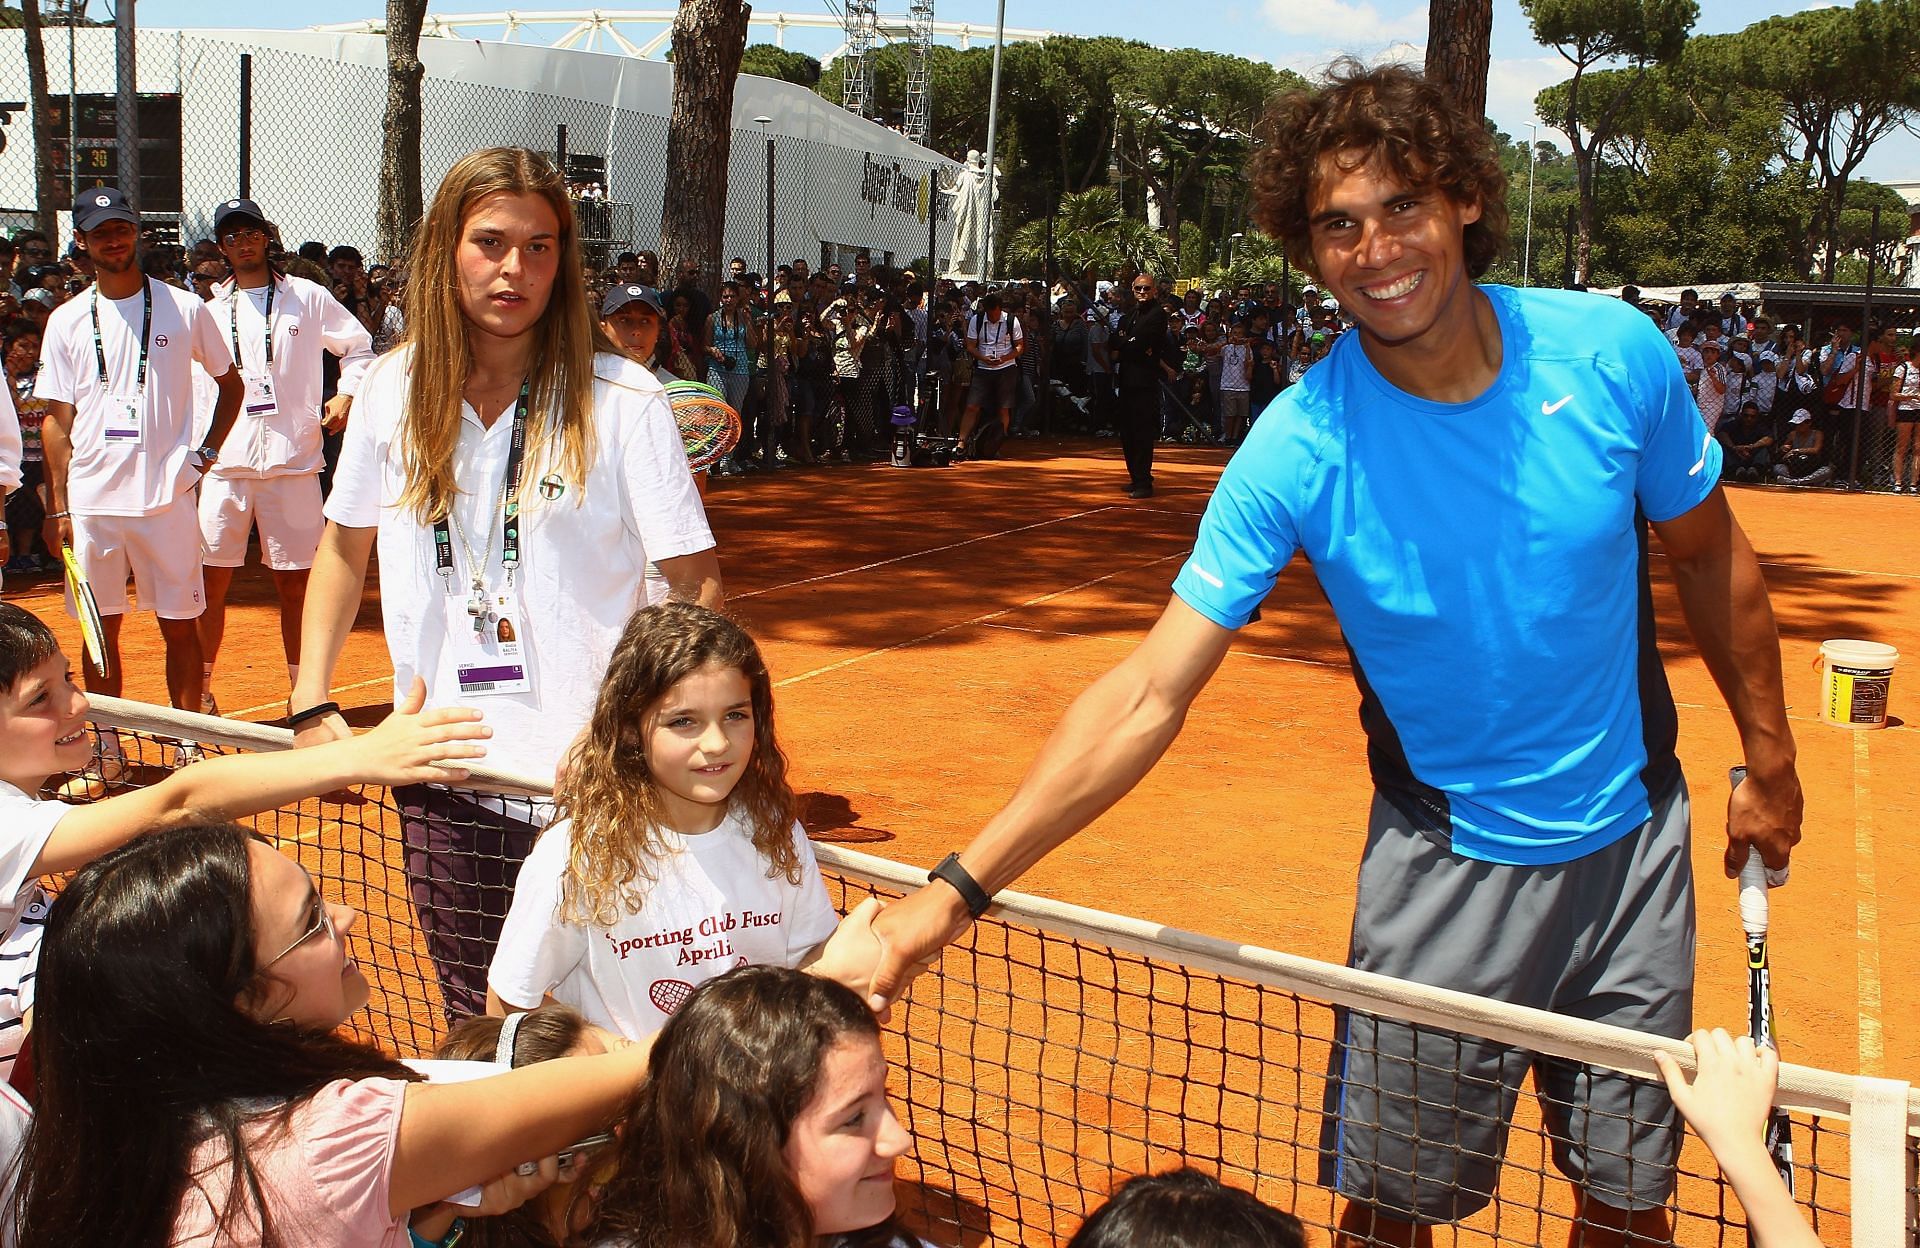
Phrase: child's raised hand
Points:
(412, 746)
(1731, 1092)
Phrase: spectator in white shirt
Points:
(278, 328)
(116, 365)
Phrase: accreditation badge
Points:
(489, 648)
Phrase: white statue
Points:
(969, 213)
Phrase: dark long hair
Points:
(142, 1050)
(1184, 1206)
(702, 1161)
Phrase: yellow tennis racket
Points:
(80, 600)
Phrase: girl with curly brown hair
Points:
(678, 856)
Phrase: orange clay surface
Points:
(927, 627)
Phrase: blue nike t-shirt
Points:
(1488, 565)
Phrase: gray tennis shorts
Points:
(1416, 1118)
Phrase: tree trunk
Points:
(48, 189)
(1458, 37)
(709, 37)
(1583, 255)
(400, 205)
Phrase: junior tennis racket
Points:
(80, 594)
(708, 427)
(1753, 917)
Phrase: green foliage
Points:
(1091, 229)
(768, 61)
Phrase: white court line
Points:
(918, 554)
(1134, 641)
(1866, 910)
(968, 623)
(1804, 567)
(282, 702)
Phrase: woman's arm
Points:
(334, 590)
(459, 1135)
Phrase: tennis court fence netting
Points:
(1057, 1049)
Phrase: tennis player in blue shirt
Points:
(1473, 474)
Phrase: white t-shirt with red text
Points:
(713, 907)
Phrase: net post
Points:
(1877, 1163)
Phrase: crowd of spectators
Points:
(1788, 406)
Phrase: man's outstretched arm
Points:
(1109, 738)
(1724, 597)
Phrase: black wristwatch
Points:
(975, 897)
(207, 454)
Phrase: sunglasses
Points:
(322, 922)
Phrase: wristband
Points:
(58, 515)
(454, 1235)
(319, 710)
(950, 870)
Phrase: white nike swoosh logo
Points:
(1207, 576)
(1695, 470)
(1548, 409)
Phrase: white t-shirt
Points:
(713, 907)
(996, 340)
(130, 476)
(11, 450)
(1234, 357)
(15, 1117)
(25, 823)
(307, 321)
(582, 554)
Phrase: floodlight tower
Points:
(919, 88)
(856, 83)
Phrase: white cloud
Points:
(1339, 19)
(1512, 84)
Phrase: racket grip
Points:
(1753, 894)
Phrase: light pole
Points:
(1533, 150)
(1233, 240)
(993, 135)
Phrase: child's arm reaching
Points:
(1727, 1104)
(409, 747)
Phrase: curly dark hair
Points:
(1391, 114)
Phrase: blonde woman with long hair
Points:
(517, 474)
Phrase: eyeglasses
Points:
(1143, 286)
(322, 922)
(244, 234)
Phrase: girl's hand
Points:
(1727, 1101)
(412, 746)
(852, 953)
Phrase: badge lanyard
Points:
(146, 328)
(509, 514)
(233, 324)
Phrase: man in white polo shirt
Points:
(117, 366)
(278, 328)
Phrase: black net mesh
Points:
(1036, 1068)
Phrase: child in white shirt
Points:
(678, 856)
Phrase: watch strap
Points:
(976, 898)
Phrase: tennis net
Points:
(1057, 1049)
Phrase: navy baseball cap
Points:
(237, 208)
(100, 204)
(620, 296)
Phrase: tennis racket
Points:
(1753, 917)
(708, 427)
(80, 594)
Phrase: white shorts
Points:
(162, 551)
(286, 509)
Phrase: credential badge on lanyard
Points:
(123, 410)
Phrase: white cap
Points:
(1801, 417)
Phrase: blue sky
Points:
(1297, 34)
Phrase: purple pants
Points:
(463, 859)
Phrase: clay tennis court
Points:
(928, 626)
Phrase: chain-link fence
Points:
(294, 120)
